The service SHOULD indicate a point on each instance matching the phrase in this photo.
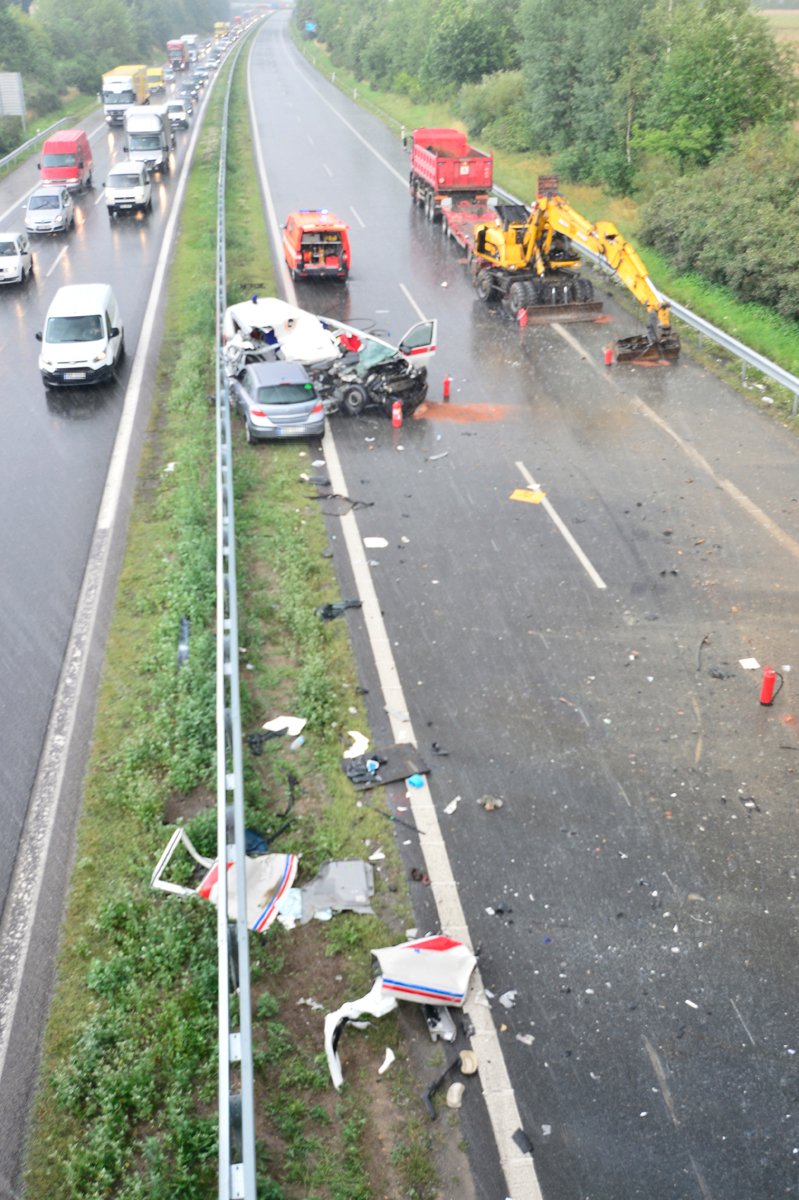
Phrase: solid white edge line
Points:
(28, 877)
(564, 530)
(743, 501)
(518, 1168)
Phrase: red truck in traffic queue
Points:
(451, 179)
(178, 54)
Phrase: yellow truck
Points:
(155, 80)
(122, 87)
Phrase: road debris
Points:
(286, 725)
(360, 743)
(387, 1061)
(749, 664)
(328, 612)
(430, 971)
(395, 762)
(466, 1063)
(489, 803)
(508, 999)
(453, 804)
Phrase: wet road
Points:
(645, 853)
(54, 455)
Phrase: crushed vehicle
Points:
(351, 370)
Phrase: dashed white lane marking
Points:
(520, 1176)
(564, 530)
(412, 302)
(358, 217)
(743, 501)
(56, 261)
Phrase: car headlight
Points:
(48, 364)
(98, 358)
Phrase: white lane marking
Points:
(733, 491)
(358, 218)
(28, 880)
(412, 302)
(56, 261)
(564, 530)
(100, 198)
(520, 1176)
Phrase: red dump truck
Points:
(444, 167)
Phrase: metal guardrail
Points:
(747, 357)
(31, 142)
(235, 1082)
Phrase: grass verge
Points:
(126, 1100)
(755, 325)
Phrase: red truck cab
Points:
(316, 245)
(67, 159)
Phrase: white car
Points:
(50, 209)
(16, 260)
(128, 188)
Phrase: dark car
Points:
(278, 400)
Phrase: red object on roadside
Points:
(521, 317)
(767, 692)
(608, 356)
(396, 414)
(447, 382)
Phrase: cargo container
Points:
(123, 87)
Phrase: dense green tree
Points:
(466, 41)
(735, 222)
(715, 71)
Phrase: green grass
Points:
(126, 1100)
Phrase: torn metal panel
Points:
(346, 884)
(268, 878)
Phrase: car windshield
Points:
(373, 353)
(8, 249)
(145, 141)
(285, 393)
(124, 181)
(59, 160)
(44, 202)
(74, 329)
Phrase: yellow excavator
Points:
(527, 258)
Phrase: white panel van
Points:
(83, 340)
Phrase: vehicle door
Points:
(419, 343)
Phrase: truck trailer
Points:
(177, 53)
(149, 137)
(445, 166)
(122, 88)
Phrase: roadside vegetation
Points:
(126, 1105)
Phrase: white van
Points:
(83, 340)
(128, 188)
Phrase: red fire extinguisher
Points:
(396, 414)
(768, 692)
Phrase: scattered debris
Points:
(526, 1039)
(395, 762)
(705, 642)
(183, 643)
(298, 741)
(432, 969)
(436, 457)
(290, 725)
(318, 480)
(416, 780)
(387, 1061)
(268, 878)
(311, 1003)
(378, 855)
(453, 804)
(466, 1063)
(454, 1097)
(508, 999)
(338, 886)
(256, 740)
(489, 803)
(359, 744)
(523, 1142)
(749, 664)
(375, 543)
(328, 612)
(439, 750)
(419, 876)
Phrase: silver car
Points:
(16, 260)
(277, 400)
(50, 209)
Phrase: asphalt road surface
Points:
(578, 657)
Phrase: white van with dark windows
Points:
(83, 340)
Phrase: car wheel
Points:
(353, 399)
(248, 433)
(89, 184)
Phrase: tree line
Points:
(64, 45)
(672, 102)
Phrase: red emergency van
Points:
(67, 159)
(316, 245)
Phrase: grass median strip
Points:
(126, 1105)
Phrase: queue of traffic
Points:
(83, 340)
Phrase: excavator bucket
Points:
(643, 348)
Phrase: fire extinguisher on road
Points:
(396, 414)
(768, 691)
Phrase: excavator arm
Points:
(552, 214)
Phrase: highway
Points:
(578, 657)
